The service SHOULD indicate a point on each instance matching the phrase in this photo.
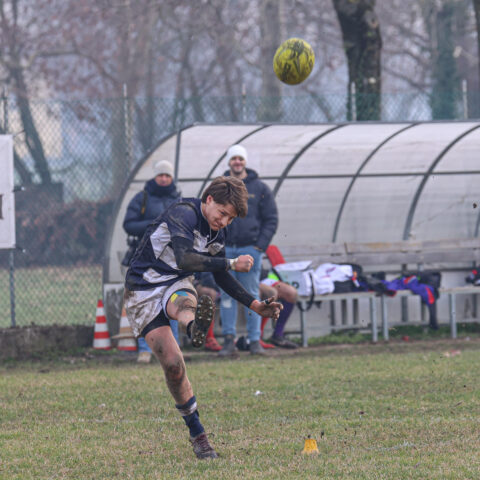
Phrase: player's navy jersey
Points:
(154, 262)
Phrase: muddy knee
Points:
(185, 304)
(175, 371)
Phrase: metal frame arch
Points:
(299, 154)
(217, 163)
(119, 200)
(357, 174)
(426, 176)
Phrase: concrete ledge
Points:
(37, 341)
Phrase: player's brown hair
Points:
(228, 190)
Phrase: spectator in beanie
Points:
(247, 236)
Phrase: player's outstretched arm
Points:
(235, 289)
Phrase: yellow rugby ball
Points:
(293, 61)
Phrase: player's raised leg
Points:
(195, 318)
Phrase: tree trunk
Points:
(32, 137)
(445, 82)
(362, 43)
(270, 108)
(146, 118)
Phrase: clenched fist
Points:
(243, 263)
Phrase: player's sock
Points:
(191, 416)
(282, 319)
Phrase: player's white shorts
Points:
(142, 306)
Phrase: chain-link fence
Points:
(72, 158)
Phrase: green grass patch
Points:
(400, 332)
(48, 295)
(403, 411)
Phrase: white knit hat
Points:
(236, 151)
(164, 167)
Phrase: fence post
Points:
(127, 127)
(465, 98)
(177, 154)
(11, 253)
(353, 101)
(244, 106)
(12, 286)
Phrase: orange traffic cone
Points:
(126, 340)
(101, 338)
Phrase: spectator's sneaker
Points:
(212, 345)
(256, 348)
(202, 447)
(266, 345)
(229, 349)
(203, 318)
(282, 342)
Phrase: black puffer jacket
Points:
(261, 222)
(158, 199)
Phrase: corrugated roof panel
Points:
(202, 145)
(415, 149)
(447, 208)
(465, 155)
(376, 209)
(307, 209)
(342, 151)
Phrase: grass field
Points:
(49, 295)
(406, 410)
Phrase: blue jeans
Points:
(143, 345)
(251, 282)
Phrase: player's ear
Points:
(209, 200)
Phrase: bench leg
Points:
(384, 318)
(355, 311)
(343, 305)
(423, 313)
(333, 320)
(453, 315)
(373, 319)
(303, 325)
(404, 301)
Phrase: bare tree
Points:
(23, 40)
(362, 44)
(270, 108)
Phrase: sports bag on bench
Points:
(310, 282)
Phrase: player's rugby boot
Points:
(202, 447)
(203, 318)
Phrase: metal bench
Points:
(391, 257)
